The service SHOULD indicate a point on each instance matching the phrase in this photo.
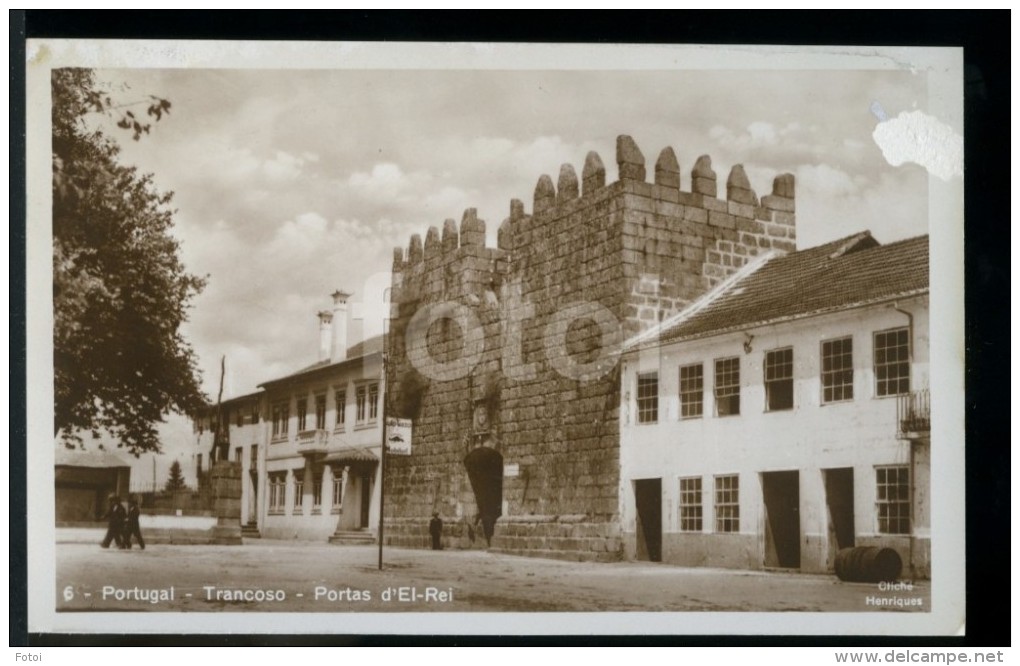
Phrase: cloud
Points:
(758, 134)
(823, 180)
(283, 166)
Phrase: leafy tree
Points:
(176, 480)
(120, 291)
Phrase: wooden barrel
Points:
(868, 564)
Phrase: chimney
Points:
(325, 335)
(339, 348)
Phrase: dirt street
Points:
(266, 575)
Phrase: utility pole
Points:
(382, 460)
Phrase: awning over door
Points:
(349, 456)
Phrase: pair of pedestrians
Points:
(122, 525)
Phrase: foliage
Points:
(176, 480)
(120, 291)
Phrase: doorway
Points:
(781, 492)
(366, 499)
(485, 472)
(839, 501)
(253, 484)
(648, 500)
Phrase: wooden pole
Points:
(382, 461)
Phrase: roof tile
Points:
(843, 273)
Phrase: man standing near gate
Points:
(436, 531)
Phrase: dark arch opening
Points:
(485, 471)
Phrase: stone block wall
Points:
(515, 347)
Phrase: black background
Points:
(985, 37)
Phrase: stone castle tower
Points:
(505, 357)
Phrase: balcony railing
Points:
(913, 414)
(312, 442)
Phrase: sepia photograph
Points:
(498, 338)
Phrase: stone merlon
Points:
(414, 250)
(503, 235)
(432, 244)
(703, 178)
(472, 230)
(545, 194)
(738, 187)
(593, 175)
(629, 159)
(450, 236)
(781, 199)
(782, 186)
(516, 209)
(566, 186)
(667, 169)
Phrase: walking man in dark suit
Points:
(115, 516)
(131, 528)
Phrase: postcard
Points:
(465, 338)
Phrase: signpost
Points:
(396, 440)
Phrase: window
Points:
(338, 489)
(281, 419)
(302, 413)
(893, 494)
(373, 402)
(727, 386)
(892, 362)
(239, 418)
(648, 398)
(361, 397)
(692, 395)
(727, 503)
(837, 370)
(254, 462)
(299, 491)
(255, 412)
(320, 411)
(317, 491)
(690, 504)
(367, 399)
(340, 398)
(779, 379)
(277, 491)
(237, 454)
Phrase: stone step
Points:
(567, 555)
(352, 537)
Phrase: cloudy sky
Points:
(290, 184)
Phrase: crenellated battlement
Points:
(741, 217)
(633, 250)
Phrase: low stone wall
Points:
(574, 537)
(414, 533)
(156, 529)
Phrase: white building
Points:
(309, 442)
(784, 416)
(323, 435)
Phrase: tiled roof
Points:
(848, 272)
(373, 345)
(78, 458)
(359, 454)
